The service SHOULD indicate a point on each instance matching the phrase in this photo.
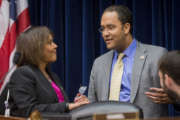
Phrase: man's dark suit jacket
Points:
(30, 90)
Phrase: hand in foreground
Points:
(79, 98)
(78, 101)
(158, 95)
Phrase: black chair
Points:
(86, 112)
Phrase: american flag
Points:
(14, 19)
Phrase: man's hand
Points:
(158, 95)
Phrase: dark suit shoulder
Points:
(24, 69)
(23, 74)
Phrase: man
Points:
(169, 73)
(140, 71)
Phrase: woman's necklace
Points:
(47, 77)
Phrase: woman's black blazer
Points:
(30, 90)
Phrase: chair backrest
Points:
(104, 107)
(3, 98)
(55, 116)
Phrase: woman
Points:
(33, 86)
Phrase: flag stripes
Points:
(14, 17)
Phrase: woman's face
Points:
(49, 52)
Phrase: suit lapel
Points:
(107, 71)
(57, 82)
(138, 66)
(45, 84)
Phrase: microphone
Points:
(82, 89)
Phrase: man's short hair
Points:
(124, 14)
(170, 64)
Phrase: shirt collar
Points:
(128, 51)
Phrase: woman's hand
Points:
(80, 98)
(78, 101)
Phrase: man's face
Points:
(171, 93)
(113, 31)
